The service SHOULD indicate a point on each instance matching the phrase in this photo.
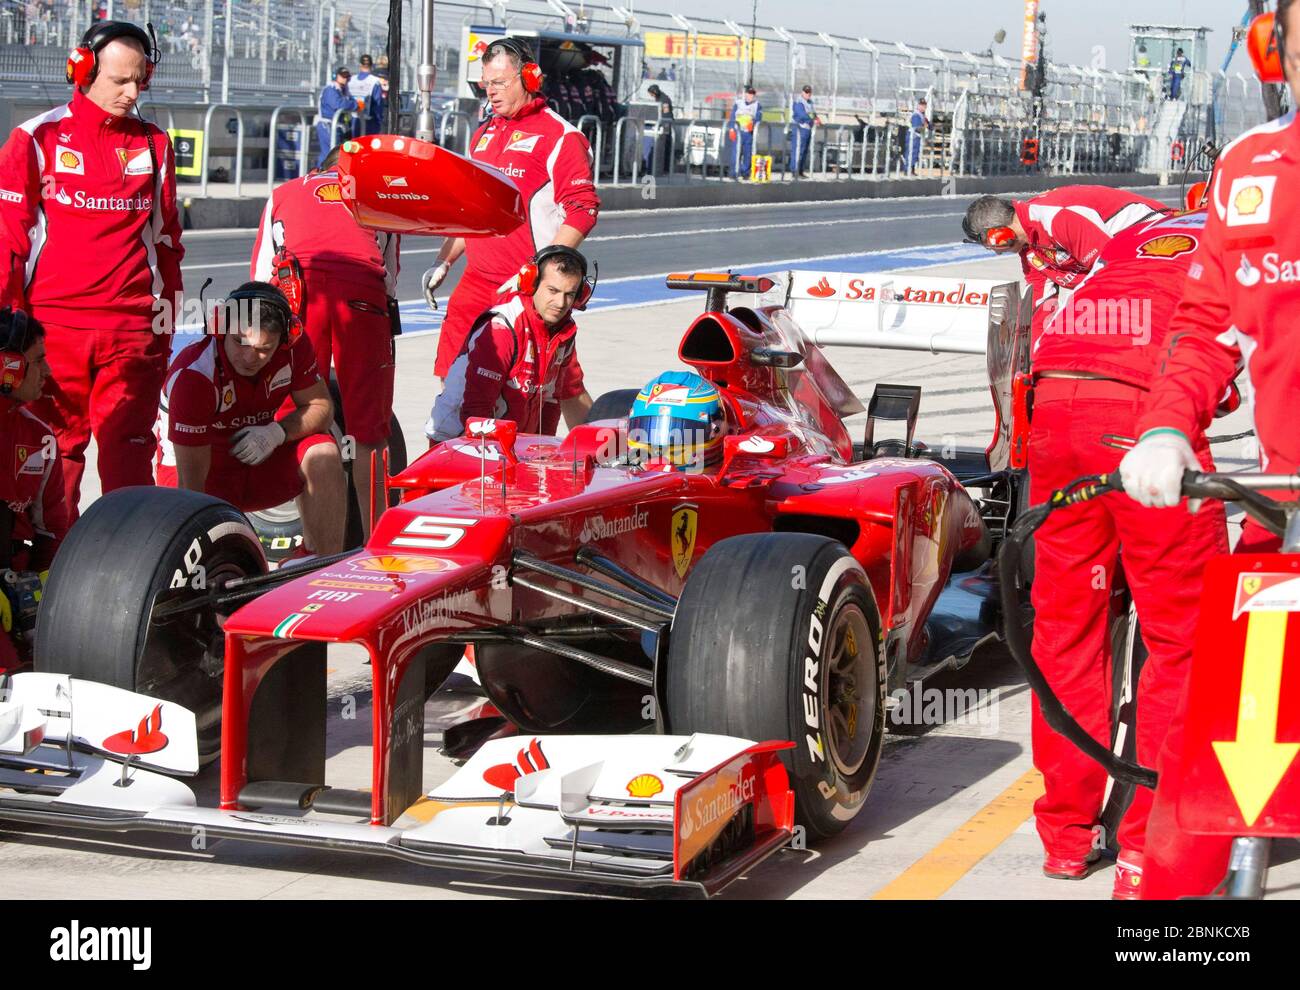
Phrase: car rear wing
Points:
(899, 310)
(938, 314)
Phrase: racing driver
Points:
(33, 514)
(521, 362)
(1095, 361)
(230, 435)
(1241, 292)
(548, 159)
(1058, 235)
(677, 422)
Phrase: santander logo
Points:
(822, 290)
(147, 737)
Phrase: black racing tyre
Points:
(131, 547)
(612, 405)
(777, 636)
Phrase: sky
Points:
(1074, 27)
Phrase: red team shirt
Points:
(1115, 322)
(1067, 230)
(513, 368)
(207, 401)
(31, 483)
(1242, 289)
(549, 161)
(89, 219)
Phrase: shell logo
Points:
(69, 160)
(644, 785)
(331, 192)
(1249, 200)
(1168, 246)
(398, 564)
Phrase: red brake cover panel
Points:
(406, 186)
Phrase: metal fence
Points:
(266, 53)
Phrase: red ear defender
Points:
(1264, 43)
(996, 237)
(531, 74)
(13, 369)
(81, 66)
(528, 279)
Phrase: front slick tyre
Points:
(777, 636)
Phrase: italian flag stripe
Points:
(288, 624)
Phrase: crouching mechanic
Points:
(520, 361)
(33, 513)
(225, 399)
(1094, 363)
(1058, 235)
(1237, 307)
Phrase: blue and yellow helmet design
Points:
(678, 417)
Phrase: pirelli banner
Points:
(705, 47)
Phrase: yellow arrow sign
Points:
(1256, 762)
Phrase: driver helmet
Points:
(678, 418)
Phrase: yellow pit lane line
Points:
(931, 876)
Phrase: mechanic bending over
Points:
(33, 512)
(1239, 280)
(348, 302)
(521, 359)
(226, 398)
(1097, 357)
(1058, 235)
(548, 159)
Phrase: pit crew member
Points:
(349, 304)
(1058, 235)
(548, 159)
(521, 362)
(231, 435)
(333, 98)
(1241, 294)
(802, 117)
(677, 422)
(746, 112)
(93, 251)
(33, 515)
(368, 90)
(1096, 359)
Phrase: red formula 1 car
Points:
(692, 660)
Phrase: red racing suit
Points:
(1242, 289)
(92, 238)
(512, 367)
(1067, 229)
(207, 402)
(550, 161)
(1113, 326)
(350, 284)
(31, 488)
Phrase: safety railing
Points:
(207, 147)
(597, 145)
(455, 115)
(274, 138)
(620, 141)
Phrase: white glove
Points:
(433, 278)
(1152, 471)
(254, 444)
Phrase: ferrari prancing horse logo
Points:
(685, 523)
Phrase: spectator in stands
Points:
(333, 98)
(802, 120)
(664, 137)
(745, 115)
(917, 129)
(1178, 70)
(365, 87)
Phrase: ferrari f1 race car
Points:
(694, 663)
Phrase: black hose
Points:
(1009, 578)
